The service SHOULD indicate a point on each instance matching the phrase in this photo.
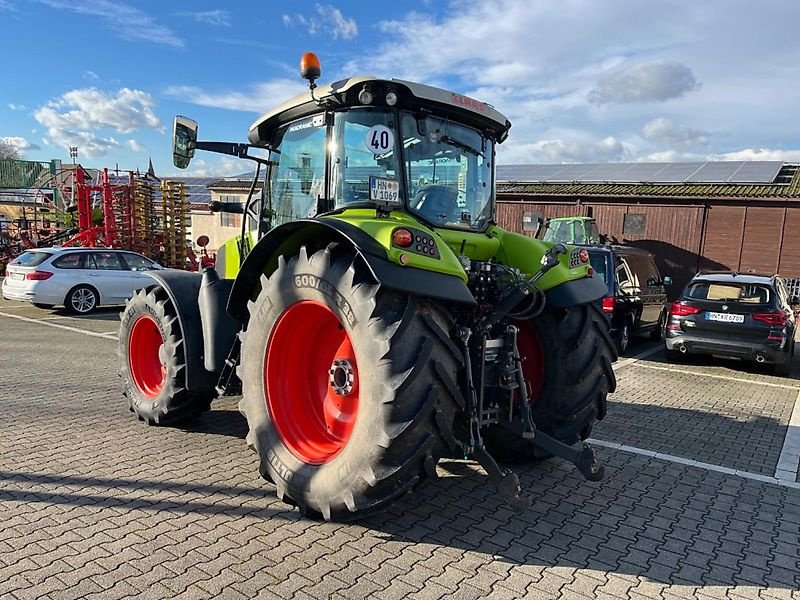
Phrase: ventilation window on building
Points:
(530, 221)
(230, 219)
(634, 224)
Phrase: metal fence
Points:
(793, 286)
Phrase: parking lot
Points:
(700, 497)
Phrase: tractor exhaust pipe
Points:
(760, 358)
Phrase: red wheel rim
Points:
(144, 356)
(530, 350)
(311, 379)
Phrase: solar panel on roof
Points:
(714, 172)
(757, 171)
(677, 172)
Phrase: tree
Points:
(9, 151)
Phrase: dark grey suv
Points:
(734, 315)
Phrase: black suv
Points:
(637, 301)
(734, 315)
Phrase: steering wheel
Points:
(436, 203)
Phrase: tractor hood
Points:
(409, 96)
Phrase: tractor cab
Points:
(366, 142)
(570, 230)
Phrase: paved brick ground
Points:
(719, 421)
(95, 504)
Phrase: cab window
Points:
(299, 179)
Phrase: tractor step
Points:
(228, 383)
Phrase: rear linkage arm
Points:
(506, 481)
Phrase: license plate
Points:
(18, 276)
(724, 317)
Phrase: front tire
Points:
(349, 389)
(152, 363)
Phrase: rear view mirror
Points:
(184, 141)
(667, 280)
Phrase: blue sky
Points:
(581, 80)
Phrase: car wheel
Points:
(45, 306)
(81, 300)
(783, 369)
(623, 338)
(658, 332)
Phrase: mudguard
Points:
(183, 289)
(577, 291)
(287, 239)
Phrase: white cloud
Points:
(90, 75)
(13, 106)
(654, 81)
(225, 167)
(677, 136)
(571, 150)
(125, 21)
(210, 17)
(89, 145)
(760, 154)
(72, 120)
(259, 98)
(328, 20)
(136, 146)
(90, 108)
(20, 143)
(6, 5)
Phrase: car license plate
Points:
(18, 276)
(724, 317)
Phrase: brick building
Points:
(740, 215)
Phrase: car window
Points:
(31, 259)
(137, 262)
(107, 261)
(716, 291)
(73, 260)
(625, 277)
(598, 262)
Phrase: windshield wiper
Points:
(461, 145)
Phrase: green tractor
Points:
(570, 230)
(372, 315)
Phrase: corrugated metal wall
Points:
(686, 238)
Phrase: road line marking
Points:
(789, 483)
(111, 333)
(789, 459)
(16, 307)
(57, 326)
(726, 377)
(636, 358)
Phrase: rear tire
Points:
(389, 356)
(152, 364)
(567, 356)
(623, 338)
(81, 300)
(785, 368)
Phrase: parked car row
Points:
(80, 279)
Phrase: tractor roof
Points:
(411, 95)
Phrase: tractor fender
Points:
(183, 289)
(577, 291)
(316, 234)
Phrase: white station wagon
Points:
(80, 279)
